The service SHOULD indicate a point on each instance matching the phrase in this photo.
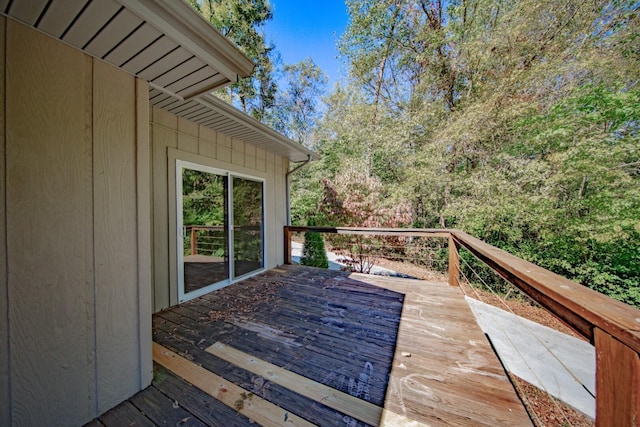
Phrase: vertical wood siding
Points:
(271, 209)
(50, 238)
(116, 270)
(143, 207)
(74, 269)
(5, 398)
(202, 145)
(163, 135)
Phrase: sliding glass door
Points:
(204, 229)
(220, 219)
(248, 222)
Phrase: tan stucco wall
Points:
(73, 331)
(176, 138)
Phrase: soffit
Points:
(209, 111)
(164, 42)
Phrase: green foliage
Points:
(204, 198)
(313, 251)
(298, 105)
(240, 21)
(518, 122)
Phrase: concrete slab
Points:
(560, 364)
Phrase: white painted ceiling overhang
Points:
(166, 43)
(212, 112)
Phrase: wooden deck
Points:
(304, 346)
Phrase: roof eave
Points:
(233, 113)
(183, 24)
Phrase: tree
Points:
(354, 199)
(240, 21)
(299, 104)
(373, 45)
(521, 131)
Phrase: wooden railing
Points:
(192, 232)
(208, 243)
(611, 326)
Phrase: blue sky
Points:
(309, 28)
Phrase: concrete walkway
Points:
(560, 364)
(557, 363)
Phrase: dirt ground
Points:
(543, 409)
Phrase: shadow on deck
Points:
(319, 346)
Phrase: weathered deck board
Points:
(352, 406)
(210, 411)
(348, 333)
(155, 405)
(452, 376)
(270, 391)
(254, 407)
(125, 414)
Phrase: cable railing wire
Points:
(509, 309)
(371, 250)
(609, 325)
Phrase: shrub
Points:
(313, 252)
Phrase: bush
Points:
(313, 252)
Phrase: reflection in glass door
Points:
(248, 226)
(220, 218)
(205, 242)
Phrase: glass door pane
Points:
(248, 226)
(205, 242)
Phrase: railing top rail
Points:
(612, 326)
(221, 227)
(432, 232)
(205, 227)
(580, 307)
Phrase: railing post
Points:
(454, 262)
(194, 241)
(287, 245)
(617, 382)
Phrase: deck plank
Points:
(306, 408)
(125, 414)
(426, 360)
(445, 371)
(211, 411)
(244, 401)
(345, 403)
(162, 410)
(302, 348)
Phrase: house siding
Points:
(72, 316)
(177, 138)
(5, 400)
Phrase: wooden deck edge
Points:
(255, 408)
(409, 356)
(354, 407)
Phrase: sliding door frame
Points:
(178, 161)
